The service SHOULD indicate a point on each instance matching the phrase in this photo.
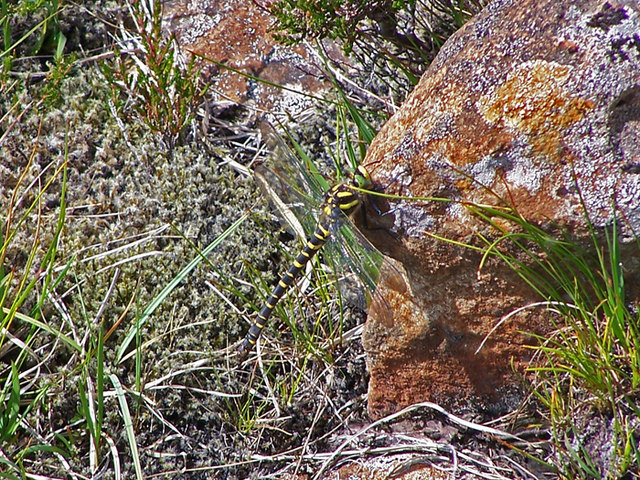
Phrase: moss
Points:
(127, 199)
(123, 192)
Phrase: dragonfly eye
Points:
(361, 178)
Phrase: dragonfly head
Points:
(361, 178)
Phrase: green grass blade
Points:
(10, 400)
(38, 26)
(128, 424)
(37, 323)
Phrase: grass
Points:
(58, 379)
(22, 393)
(112, 344)
(588, 368)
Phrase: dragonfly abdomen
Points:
(320, 236)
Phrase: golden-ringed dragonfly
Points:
(340, 201)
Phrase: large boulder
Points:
(535, 102)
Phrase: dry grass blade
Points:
(341, 450)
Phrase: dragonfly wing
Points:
(349, 246)
(271, 185)
(300, 174)
(297, 189)
(358, 255)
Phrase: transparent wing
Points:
(359, 256)
(288, 208)
(298, 174)
(298, 184)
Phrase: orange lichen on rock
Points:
(534, 101)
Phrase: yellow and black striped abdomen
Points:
(340, 200)
(315, 243)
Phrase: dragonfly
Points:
(341, 200)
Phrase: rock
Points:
(237, 34)
(537, 102)
(404, 467)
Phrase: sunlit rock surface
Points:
(534, 103)
(238, 34)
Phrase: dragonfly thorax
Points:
(343, 198)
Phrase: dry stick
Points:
(431, 445)
(401, 469)
(265, 378)
(408, 466)
(307, 439)
(518, 467)
(291, 456)
(433, 406)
